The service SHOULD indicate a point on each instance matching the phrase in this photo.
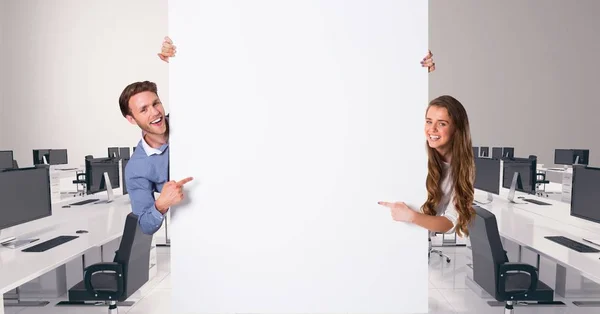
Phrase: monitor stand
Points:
(513, 188)
(14, 243)
(109, 191)
(490, 198)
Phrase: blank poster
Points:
(295, 118)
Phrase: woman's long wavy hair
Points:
(462, 166)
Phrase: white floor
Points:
(447, 293)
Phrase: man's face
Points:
(148, 113)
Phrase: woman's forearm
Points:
(432, 223)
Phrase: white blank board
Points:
(295, 118)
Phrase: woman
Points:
(168, 50)
(451, 172)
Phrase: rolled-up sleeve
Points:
(141, 194)
(451, 214)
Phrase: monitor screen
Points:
(38, 156)
(568, 156)
(526, 168)
(6, 159)
(508, 152)
(497, 152)
(113, 152)
(585, 198)
(487, 175)
(58, 157)
(475, 151)
(484, 151)
(94, 174)
(25, 196)
(124, 153)
(583, 154)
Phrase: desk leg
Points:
(18, 303)
(561, 281)
(167, 240)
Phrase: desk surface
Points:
(529, 224)
(105, 222)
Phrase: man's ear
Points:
(130, 119)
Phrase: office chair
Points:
(116, 281)
(539, 181)
(506, 281)
(80, 181)
(438, 252)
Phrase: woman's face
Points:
(438, 128)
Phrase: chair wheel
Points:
(447, 260)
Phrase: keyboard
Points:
(46, 245)
(530, 200)
(91, 200)
(572, 244)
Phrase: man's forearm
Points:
(433, 223)
(150, 220)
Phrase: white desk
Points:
(105, 222)
(528, 224)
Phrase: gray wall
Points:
(526, 71)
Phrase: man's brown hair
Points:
(131, 90)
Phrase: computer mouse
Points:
(66, 206)
(81, 231)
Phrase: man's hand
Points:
(428, 62)
(168, 50)
(171, 194)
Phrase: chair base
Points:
(527, 303)
(93, 303)
(441, 254)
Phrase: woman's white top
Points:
(446, 206)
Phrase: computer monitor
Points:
(508, 152)
(113, 152)
(134, 149)
(25, 196)
(497, 152)
(487, 177)
(484, 152)
(124, 152)
(94, 174)
(50, 157)
(522, 172)
(123, 166)
(475, 151)
(585, 198)
(571, 156)
(58, 157)
(6, 159)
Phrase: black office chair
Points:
(505, 281)
(539, 182)
(116, 281)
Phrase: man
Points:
(148, 169)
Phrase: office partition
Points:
(295, 118)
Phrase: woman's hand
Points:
(400, 211)
(428, 62)
(168, 50)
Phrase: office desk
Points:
(105, 222)
(528, 227)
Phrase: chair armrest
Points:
(103, 267)
(79, 176)
(517, 267)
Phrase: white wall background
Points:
(295, 118)
(524, 69)
(67, 64)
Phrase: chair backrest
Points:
(134, 256)
(488, 252)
